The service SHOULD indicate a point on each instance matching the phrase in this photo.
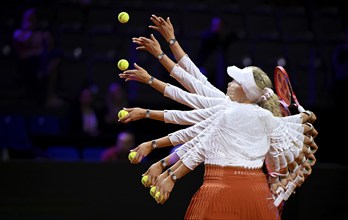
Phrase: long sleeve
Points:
(286, 144)
(189, 117)
(186, 63)
(194, 156)
(186, 134)
(194, 101)
(199, 86)
(293, 118)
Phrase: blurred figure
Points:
(38, 60)
(115, 100)
(84, 117)
(340, 67)
(124, 142)
(215, 40)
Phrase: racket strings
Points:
(283, 90)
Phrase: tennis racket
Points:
(286, 94)
(288, 100)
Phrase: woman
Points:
(231, 135)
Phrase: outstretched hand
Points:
(134, 114)
(151, 44)
(165, 27)
(138, 74)
(153, 173)
(164, 188)
(142, 151)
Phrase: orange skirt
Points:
(232, 193)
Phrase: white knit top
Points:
(225, 132)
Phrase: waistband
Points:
(224, 171)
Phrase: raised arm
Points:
(185, 135)
(175, 93)
(153, 47)
(182, 117)
(165, 27)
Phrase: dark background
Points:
(303, 33)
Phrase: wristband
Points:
(171, 41)
(160, 56)
(310, 126)
(172, 175)
(147, 113)
(150, 81)
(153, 144)
(308, 113)
(163, 163)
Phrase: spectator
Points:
(124, 142)
(38, 60)
(115, 100)
(84, 117)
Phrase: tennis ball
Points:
(152, 191)
(131, 155)
(122, 113)
(123, 17)
(144, 180)
(158, 196)
(123, 64)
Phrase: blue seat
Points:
(92, 153)
(14, 132)
(44, 125)
(63, 153)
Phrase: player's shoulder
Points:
(263, 113)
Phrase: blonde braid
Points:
(262, 81)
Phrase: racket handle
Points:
(300, 108)
(284, 195)
(279, 198)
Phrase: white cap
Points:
(245, 77)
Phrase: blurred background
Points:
(63, 154)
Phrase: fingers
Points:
(138, 158)
(311, 159)
(161, 20)
(310, 130)
(307, 169)
(142, 41)
(309, 140)
(168, 20)
(138, 67)
(157, 20)
(153, 37)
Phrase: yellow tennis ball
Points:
(123, 17)
(152, 191)
(144, 180)
(158, 196)
(122, 113)
(131, 155)
(123, 64)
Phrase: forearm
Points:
(162, 142)
(193, 80)
(181, 170)
(191, 100)
(190, 117)
(166, 62)
(155, 114)
(157, 84)
(177, 50)
(187, 134)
